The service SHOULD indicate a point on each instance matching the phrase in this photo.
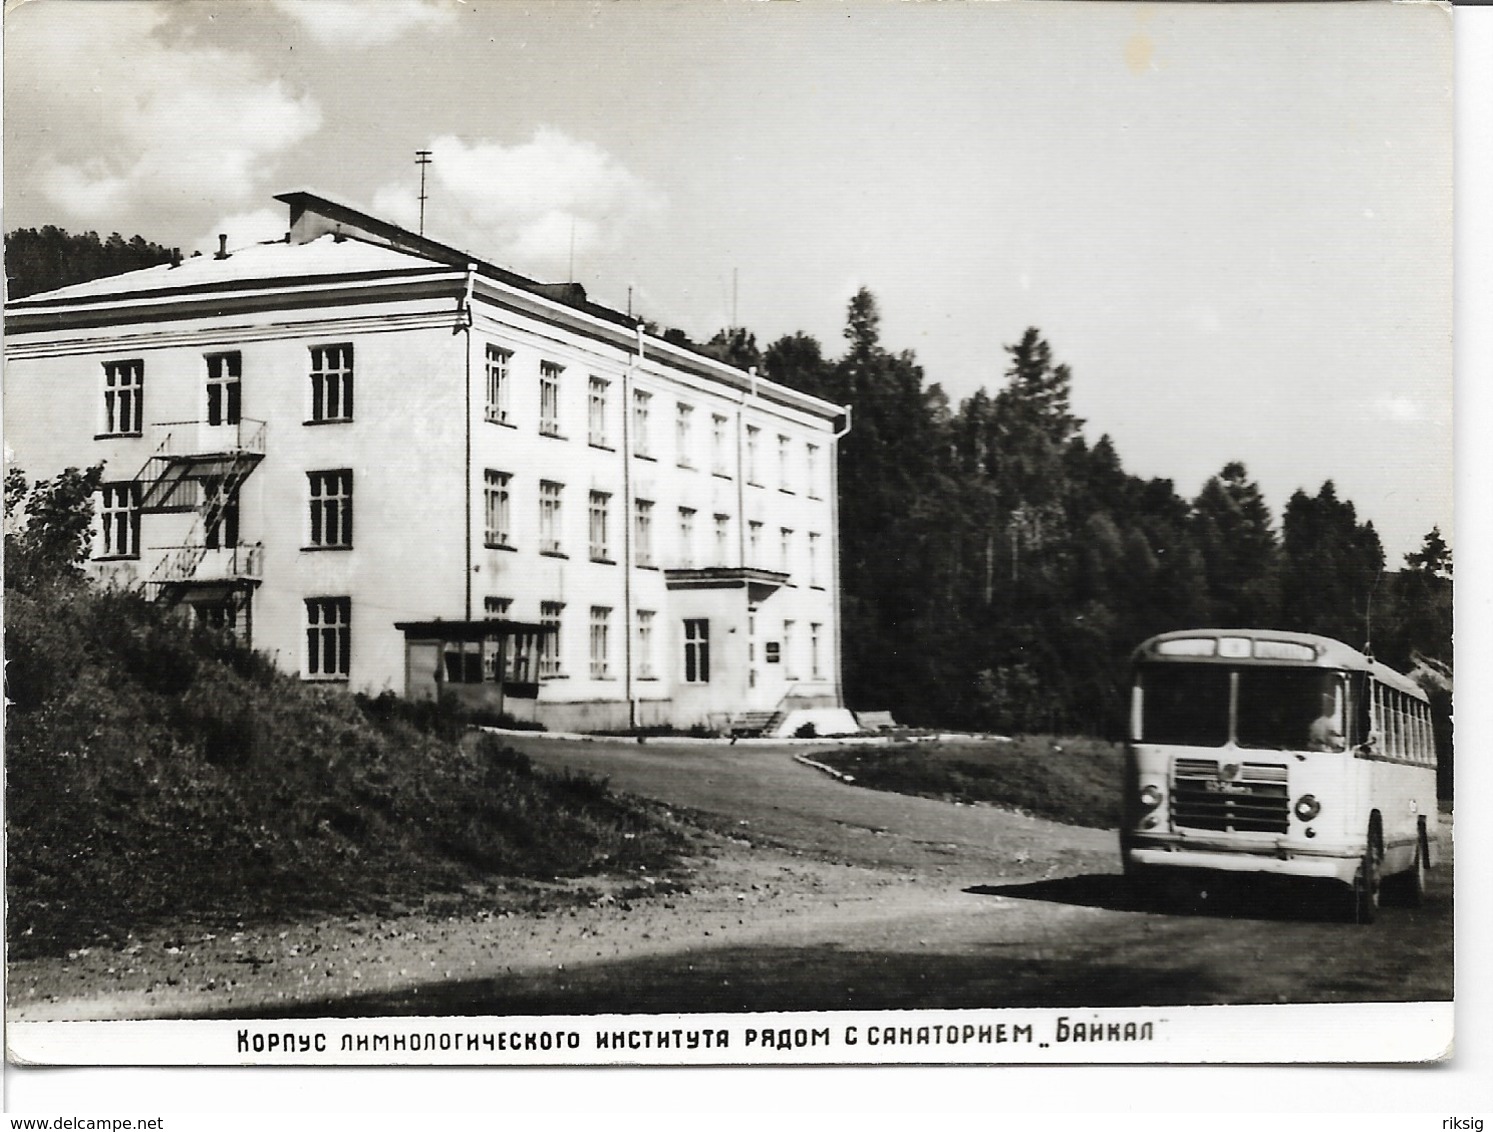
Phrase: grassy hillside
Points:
(1068, 780)
(156, 771)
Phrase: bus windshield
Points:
(1290, 709)
(1185, 704)
(1278, 709)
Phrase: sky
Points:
(1233, 222)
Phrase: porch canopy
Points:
(483, 660)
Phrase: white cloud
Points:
(243, 229)
(361, 24)
(522, 205)
(165, 123)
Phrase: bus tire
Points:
(1369, 881)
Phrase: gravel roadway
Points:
(810, 894)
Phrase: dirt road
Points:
(815, 895)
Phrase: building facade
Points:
(392, 467)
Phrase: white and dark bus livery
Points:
(1264, 751)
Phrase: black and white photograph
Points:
(829, 533)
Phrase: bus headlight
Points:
(1150, 796)
(1307, 807)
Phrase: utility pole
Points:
(422, 159)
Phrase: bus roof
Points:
(1272, 646)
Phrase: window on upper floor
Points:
(601, 523)
(718, 446)
(498, 388)
(753, 436)
(722, 540)
(332, 383)
(596, 411)
(784, 480)
(549, 398)
(497, 526)
(119, 515)
(224, 389)
(811, 469)
(331, 495)
(814, 579)
(687, 537)
(642, 531)
(549, 517)
(641, 406)
(683, 435)
(124, 398)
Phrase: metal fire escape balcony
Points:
(199, 466)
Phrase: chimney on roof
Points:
(222, 252)
(175, 257)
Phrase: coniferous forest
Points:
(997, 566)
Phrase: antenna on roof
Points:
(422, 159)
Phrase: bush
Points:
(157, 772)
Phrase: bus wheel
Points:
(1410, 887)
(1367, 883)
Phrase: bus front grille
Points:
(1254, 799)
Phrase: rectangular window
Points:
(718, 463)
(497, 528)
(752, 435)
(332, 383)
(641, 404)
(549, 398)
(815, 630)
(549, 642)
(224, 396)
(696, 650)
(687, 537)
(642, 531)
(328, 637)
(683, 423)
(790, 671)
(119, 510)
(549, 517)
(331, 508)
(722, 539)
(220, 514)
(785, 549)
(811, 469)
(645, 644)
(783, 480)
(493, 648)
(601, 521)
(124, 398)
(814, 559)
(496, 409)
(754, 544)
(596, 412)
(601, 633)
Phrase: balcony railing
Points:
(179, 439)
(181, 564)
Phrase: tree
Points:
(48, 526)
(1434, 556)
(735, 346)
(1234, 532)
(1330, 568)
(47, 258)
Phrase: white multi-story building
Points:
(392, 467)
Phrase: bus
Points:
(1265, 751)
